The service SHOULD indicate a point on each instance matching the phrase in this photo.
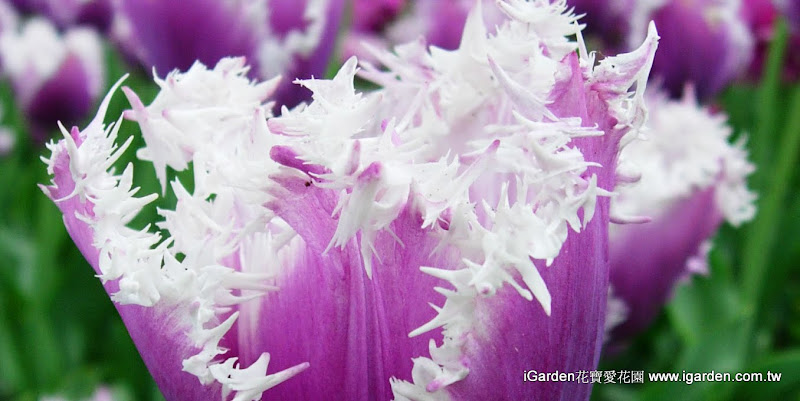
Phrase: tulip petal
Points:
(163, 353)
(648, 259)
(166, 35)
(366, 320)
(177, 313)
(513, 336)
(55, 77)
(691, 180)
(308, 33)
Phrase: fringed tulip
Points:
(690, 180)
(55, 77)
(429, 240)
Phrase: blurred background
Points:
(60, 336)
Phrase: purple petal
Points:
(647, 260)
(166, 35)
(286, 20)
(690, 180)
(66, 13)
(760, 16)
(65, 97)
(515, 335)
(176, 317)
(351, 329)
(162, 353)
(97, 13)
(373, 16)
(721, 48)
(63, 87)
(445, 22)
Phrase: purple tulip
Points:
(761, 16)
(277, 36)
(66, 13)
(692, 180)
(55, 77)
(705, 43)
(370, 20)
(374, 15)
(474, 181)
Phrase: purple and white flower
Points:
(55, 77)
(705, 43)
(429, 240)
(690, 180)
(288, 37)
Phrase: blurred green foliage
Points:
(59, 332)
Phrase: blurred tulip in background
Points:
(689, 180)
(55, 77)
(292, 38)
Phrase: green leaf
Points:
(763, 233)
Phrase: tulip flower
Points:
(369, 15)
(277, 36)
(66, 13)
(705, 43)
(721, 45)
(760, 16)
(691, 181)
(55, 77)
(432, 239)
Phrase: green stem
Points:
(763, 233)
(767, 104)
